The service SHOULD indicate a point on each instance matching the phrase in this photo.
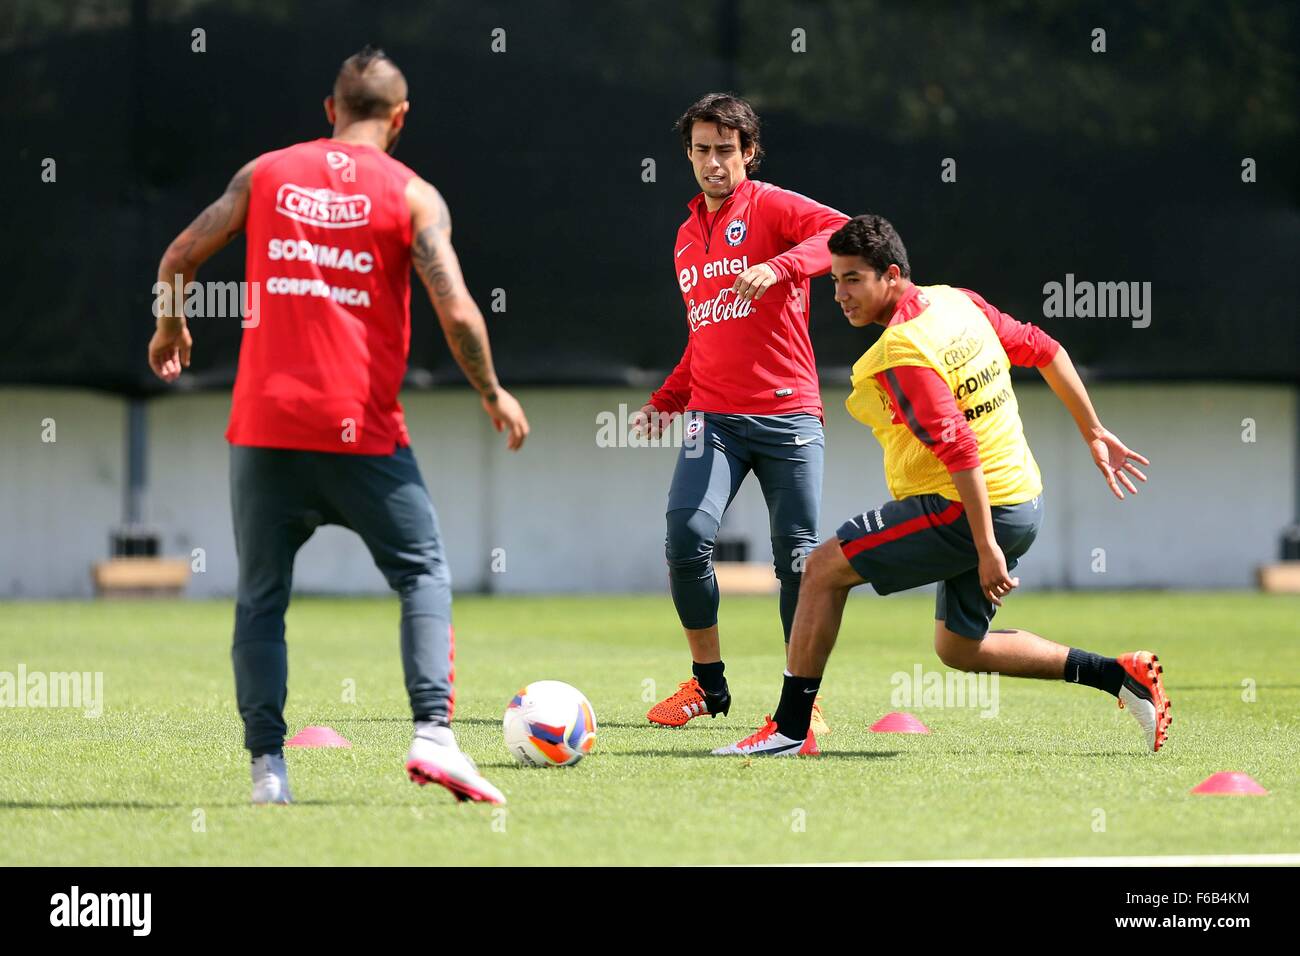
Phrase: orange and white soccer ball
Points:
(549, 724)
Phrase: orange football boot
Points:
(1143, 695)
(689, 702)
(818, 724)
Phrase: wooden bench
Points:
(746, 577)
(140, 577)
(1280, 578)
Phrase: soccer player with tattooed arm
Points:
(317, 434)
(935, 390)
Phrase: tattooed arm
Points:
(462, 323)
(169, 351)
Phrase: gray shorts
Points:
(926, 539)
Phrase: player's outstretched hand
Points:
(995, 581)
(754, 281)
(169, 352)
(649, 421)
(508, 416)
(1115, 460)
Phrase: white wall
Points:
(58, 499)
(1212, 510)
(571, 516)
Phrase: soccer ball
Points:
(549, 724)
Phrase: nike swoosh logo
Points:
(810, 690)
(1076, 673)
(782, 749)
(802, 441)
(683, 249)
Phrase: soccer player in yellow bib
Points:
(936, 391)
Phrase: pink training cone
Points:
(317, 737)
(899, 723)
(1231, 784)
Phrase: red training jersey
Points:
(328, 326)
(749, 357)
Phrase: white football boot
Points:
(435, 758)
(769, 742)
(270, 780)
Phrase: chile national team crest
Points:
(735, 233)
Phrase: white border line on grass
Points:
(1225, 859)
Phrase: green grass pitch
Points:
(160, 777)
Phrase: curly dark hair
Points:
(874, 239)
(728, 112)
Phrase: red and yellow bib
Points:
(952, 336)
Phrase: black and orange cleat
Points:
(689, 702)
(1143, 695)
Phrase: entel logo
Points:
(689, 277)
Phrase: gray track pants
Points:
(278, 498)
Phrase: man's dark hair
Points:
(729, 112)
(875, 240)
(369, 84)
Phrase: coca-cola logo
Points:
(720, 308)
(322, 207)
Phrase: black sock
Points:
(794, 713)
(1103, 673)
(264, 751)
(711, 680)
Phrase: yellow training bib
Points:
(955, 338)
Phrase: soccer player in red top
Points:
(747, 381)
(316, 431)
